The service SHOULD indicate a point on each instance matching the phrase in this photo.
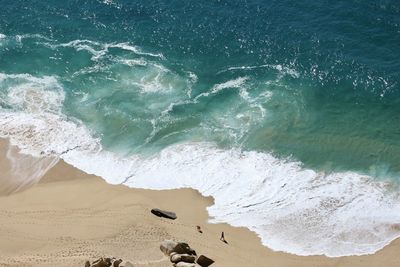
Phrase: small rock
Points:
(188, 258)
(108, 261)
(175, 258)
(126, 264)
(167, 247)
(165, 214)
(87, 264)
(117, 263)
(204, 261)
(184, 248)
(184, 264)
(102, 263)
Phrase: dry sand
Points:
(70, 217)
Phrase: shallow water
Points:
(286, 113)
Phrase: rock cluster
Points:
(109, 262)
(182, 255)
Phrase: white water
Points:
(98, 50)
(293, 209)
(283, 70)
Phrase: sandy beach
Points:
(70, 217)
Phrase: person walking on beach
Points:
(223, 238)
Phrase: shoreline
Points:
(70, 217)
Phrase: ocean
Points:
(286, 112)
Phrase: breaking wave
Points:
(292, 209)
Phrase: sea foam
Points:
(98, 49)
(292, 209)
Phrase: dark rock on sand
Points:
(102, 263)
(204, 261)
(165, 214)
(108, 262)
(116, 263)
(184, 248)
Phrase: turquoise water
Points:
(314, 86)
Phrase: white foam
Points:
(293, 209)
(112, 3)
(236, 83)
(231, 84)
(153, 83)
(283, 70)
(2, 39)
(96, 49)
(35, 122)
(134, 49)
(156, 79)
(32, 94)
(99, 50)
(133, 62)
(193, 80)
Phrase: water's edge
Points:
(287, 206)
